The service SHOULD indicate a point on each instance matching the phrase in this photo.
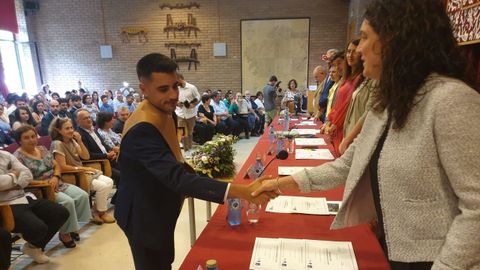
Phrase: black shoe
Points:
(75, 236)
(69, 244)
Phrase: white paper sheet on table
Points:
(307, 123)
(309, 141)
(322, 154)
(289, 170)
(306, 131)
(298, 254)
(298, 205)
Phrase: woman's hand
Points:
(54, 183)
(77, 136)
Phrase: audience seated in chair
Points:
(22, 117)
(43, 167)
(47, 119)
(122, 115)
(36, 219)
(94, 143)
(104, 129)
(206, 121)
(225, 123)
(68, 150)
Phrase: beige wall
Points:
(69, 34)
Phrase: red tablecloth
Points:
(232, 246)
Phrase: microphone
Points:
(282, 155)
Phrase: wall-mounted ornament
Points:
(183, 44)
(187, 28)
(141, 32)
(180, 6)
(192, 59)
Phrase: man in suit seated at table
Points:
(155, 178)
(97, 148)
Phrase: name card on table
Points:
(307, 131)
(317, 154)
(299, 254)
(307, 123)
(289, 170)
(309, 141)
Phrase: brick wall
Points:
(69, 34)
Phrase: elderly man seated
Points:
(94, 143)
(38, 220)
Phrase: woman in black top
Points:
(206, 121)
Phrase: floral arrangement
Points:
(215, 158)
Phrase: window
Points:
(17, 64)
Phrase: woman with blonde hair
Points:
(69, 150)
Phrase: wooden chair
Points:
(77, 178)
(100, 164)
(41, 190)
(6, 216)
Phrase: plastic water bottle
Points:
(286, 121)
(211, 265)
(234, 215)
(271, 134)
(280, 145)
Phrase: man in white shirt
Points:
(186, 110)
(226, 125)
(119, 101)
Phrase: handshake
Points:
(261, 191)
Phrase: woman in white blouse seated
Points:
(104, 124)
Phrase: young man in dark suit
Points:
(154, 176)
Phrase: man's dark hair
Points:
(81, 90)
(62, 100)
(154, 62)
(11, 97)
(215, 94)
(103, 118)
(19, 99)
(55, 94)
(129, 95)
(74, 98)
(206, 97)
(273, 78)
(103, 96)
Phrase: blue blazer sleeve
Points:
(144, 144)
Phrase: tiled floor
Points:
(105, 247)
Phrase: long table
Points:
(232, 246)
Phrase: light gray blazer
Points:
(429, 178)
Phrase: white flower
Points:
(204, 159)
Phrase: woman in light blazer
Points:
(413, 170)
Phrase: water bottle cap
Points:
(212, 263)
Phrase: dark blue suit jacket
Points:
(152, 188)
(91, 145)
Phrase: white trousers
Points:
(102, 185)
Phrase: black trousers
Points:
(39, 220)
(402, 265)
(146, 258)
(5, 249)
(243, 122)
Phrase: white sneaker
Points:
(36, 253)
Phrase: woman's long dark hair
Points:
(349, 73)
(417, 40)
(30, 121)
